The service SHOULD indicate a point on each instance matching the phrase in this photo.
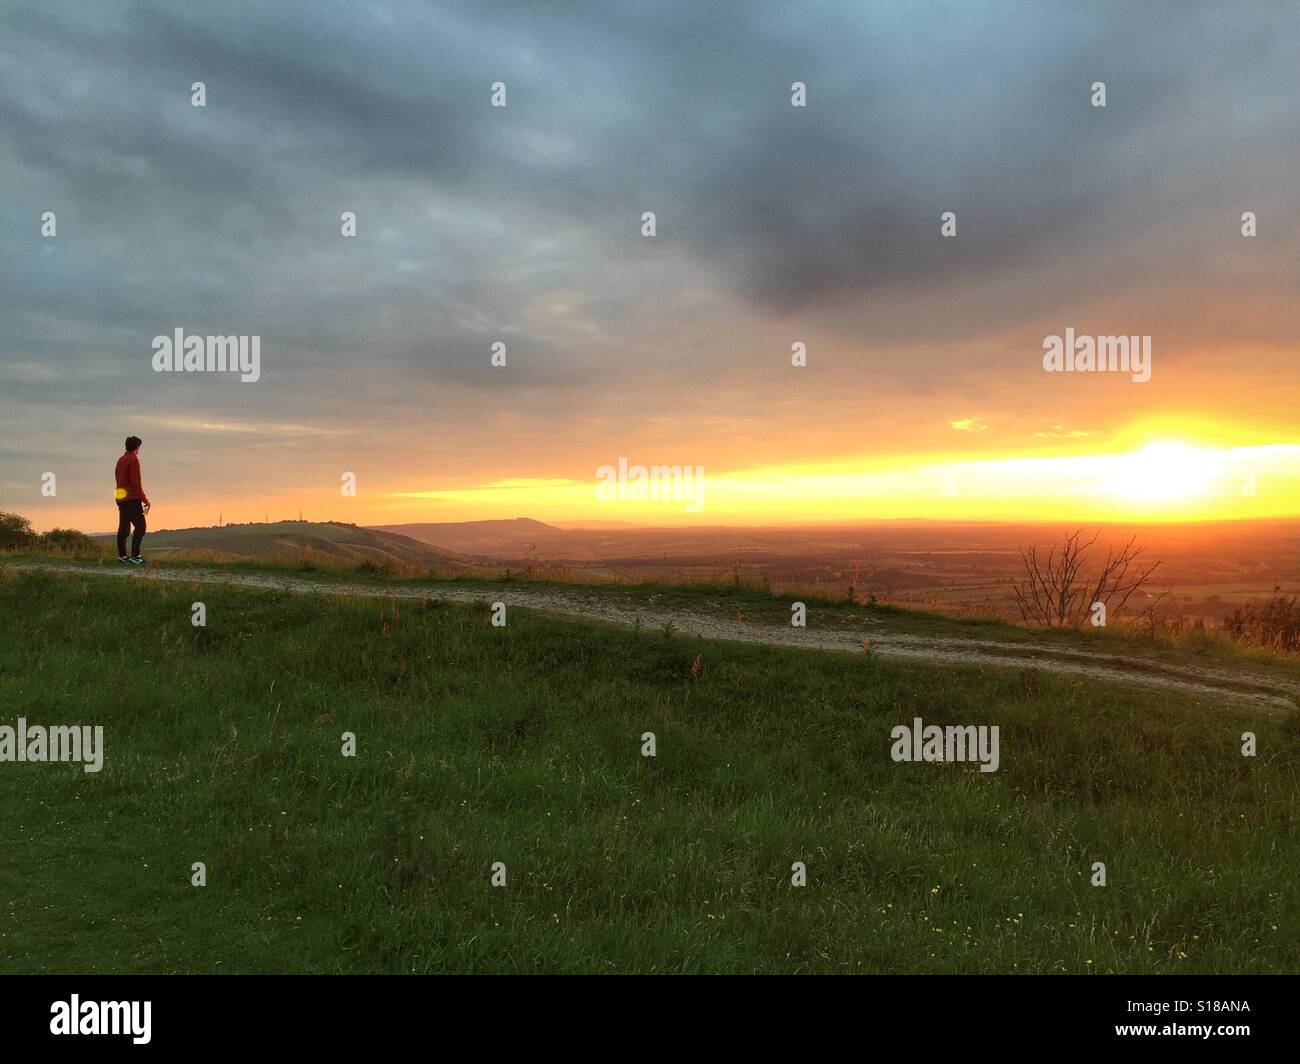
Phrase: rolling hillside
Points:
(323, 543)
(520, 748)
(516, 538)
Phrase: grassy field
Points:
(522, 744)
(724, 598)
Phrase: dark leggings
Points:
(130, 512)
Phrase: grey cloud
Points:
(522, 224)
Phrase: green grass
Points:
(522, 744)
(725, 599)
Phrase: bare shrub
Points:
(1058, 591)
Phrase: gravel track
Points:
(1238, 689)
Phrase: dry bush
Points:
(1273, 623)
(1059, 590)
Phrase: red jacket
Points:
(128, 478)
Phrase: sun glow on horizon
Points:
(1163, 476)
(1166, 471)
(1161, 480)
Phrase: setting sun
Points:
(1165, 471)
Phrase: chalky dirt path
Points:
(1239, 689)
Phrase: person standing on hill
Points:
(132, 502)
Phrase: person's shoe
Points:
(124, 559)
(137, 560)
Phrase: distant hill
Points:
(328, 542)
(516, 538)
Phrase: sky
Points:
(924, 392)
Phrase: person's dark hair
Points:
(132, 442)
